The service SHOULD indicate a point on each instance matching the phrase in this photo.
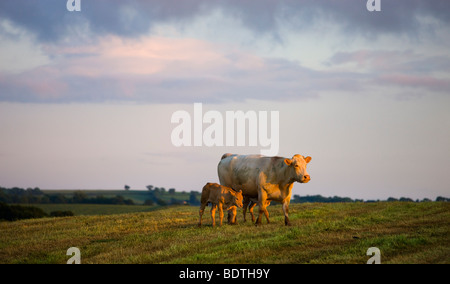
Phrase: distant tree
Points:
(149, 187)
(174, 201)
(17, 212)
(4, 196)
(44, 199)
(57, 198)
(442, 199)
(406, 199)
(193, 198)
(161, 202)
(118, 200)
(149, 202)
(128, 202)
(126, 187)
(171, 191)
(392, 199)
(79, 197)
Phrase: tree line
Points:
(155, 196)
(36, 196)
(18, 212)
(322, 199)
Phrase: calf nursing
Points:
(263, 179)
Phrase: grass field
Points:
(321, 233)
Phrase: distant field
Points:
(138, 196)
(405, 232)
(94, 209)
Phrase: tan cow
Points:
(225, 198)
(264, 178)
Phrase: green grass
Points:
(321, 233)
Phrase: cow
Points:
(264, 178)
(225, 198)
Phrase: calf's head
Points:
(297, 168)
(237, 198)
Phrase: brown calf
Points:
(219, 196)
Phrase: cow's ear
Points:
(308, 159)
(288, 161)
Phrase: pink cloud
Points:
(174, 70)
(157, 68)
(415, 81)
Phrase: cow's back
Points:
(241, 172)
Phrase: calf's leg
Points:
(213, 214)
(202, 209)
(220, 214)
(232, 215)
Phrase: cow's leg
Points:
(286, 212)
(262, 208)
(266, 213)
(220, 214)
(213, 214)
(252, 205)
(245, 204)
(202, 209)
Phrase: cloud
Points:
(165, 70)
(111, 52)
(406, 61)
(403, 69)
(187, 70)
(426, 83)
(50, 21)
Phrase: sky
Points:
(86, 98)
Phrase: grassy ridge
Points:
(321, 233)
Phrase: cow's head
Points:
(237, 198)
(297, 168)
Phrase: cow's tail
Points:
(226, 155)
(205, 194)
